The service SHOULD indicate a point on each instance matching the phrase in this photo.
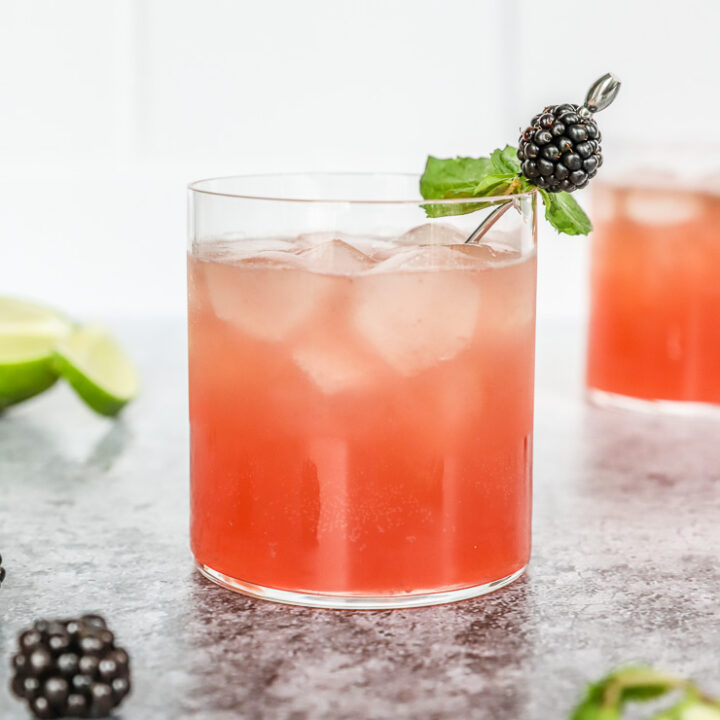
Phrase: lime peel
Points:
(97, 369)
(24, 379)
(28, 335)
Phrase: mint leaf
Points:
(494, 184)
(435, 211)
(505, 160)
(564, 214)
(454, 177)
(490, 185)
(464, 177)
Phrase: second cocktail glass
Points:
(654, 334)
(361, 391)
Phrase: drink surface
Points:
(361, 412)
(655, 294)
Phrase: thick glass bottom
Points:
(604, 399)
(355, 602)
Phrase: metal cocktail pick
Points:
(601, 93)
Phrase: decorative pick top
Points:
(558, 153)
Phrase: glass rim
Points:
(197, 187)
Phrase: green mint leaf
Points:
(564, 214)
(505, 160)
(490, 185)
(453, 177)
(435, 211)
(464, 177)
(471, 177)
(494, 184)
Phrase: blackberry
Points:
(70, 668)
(561, 149)
(2, 571)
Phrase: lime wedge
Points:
(28, 335)
(98, 370)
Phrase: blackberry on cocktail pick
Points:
(70, 668)
(560, 150)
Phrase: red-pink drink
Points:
(655, 320)
(361, 413)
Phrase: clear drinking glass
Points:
(654, 331)
(361, 390)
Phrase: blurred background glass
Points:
(109, 108)
(654, 328)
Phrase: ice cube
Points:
(335, 257)
(268, 302)
(370, 245)
(487, 255)
(271, 260)
(415, 320)
(229, 251)
(374, 247)
(432, 257)
(258, 246)
(308, 240)
(433, 234)
(333, 365)
(662, 207)
(447, 257)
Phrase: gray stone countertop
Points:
(625, 566)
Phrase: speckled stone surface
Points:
(625, 566)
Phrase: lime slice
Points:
(98, 370)
(28, 334)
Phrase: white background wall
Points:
(108, 108)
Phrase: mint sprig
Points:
(606, 699)
(493, 176)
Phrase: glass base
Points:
(355, 602)
(604, 399)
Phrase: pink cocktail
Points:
(361, 412)
(655, 320)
